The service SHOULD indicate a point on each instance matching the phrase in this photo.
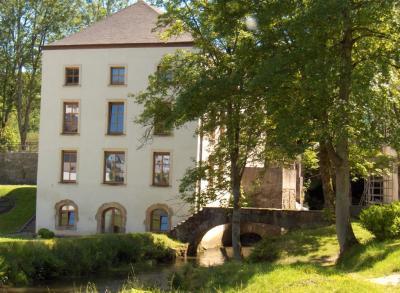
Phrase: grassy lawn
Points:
(25, 204)
(302, 261)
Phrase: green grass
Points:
(302, 261)
(25, 204)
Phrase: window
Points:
(112, 221)
(68, 166)
(115, 118)
(67, 216)
(161, 169)
(72, 76)
(117, 75)
(114, 167)
(71, 117)
(160, 128)
(159, 221)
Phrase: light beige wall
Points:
(93, 93)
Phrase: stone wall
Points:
(275, 187)
(18, 168)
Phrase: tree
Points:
(95, 10)
(26, 26)
(334, 62)
(211, 83)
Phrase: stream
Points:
(155, 276)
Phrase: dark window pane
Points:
(116, 118)
(71, 75)
(117, 75)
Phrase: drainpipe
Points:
(200, 163)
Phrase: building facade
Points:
(93, 176)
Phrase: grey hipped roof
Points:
(132, 26)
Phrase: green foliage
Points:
(382, 220)
(35, 260)
(45, 233)
(25, 199)
(9, 139)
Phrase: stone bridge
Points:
(193, 229)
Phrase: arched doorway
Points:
(111, 218)
(111, 221)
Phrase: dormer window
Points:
(72, 75)
(117, 75)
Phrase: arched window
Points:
(159, 221)
(66, 215)
(112, 221)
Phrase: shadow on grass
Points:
(24, 208)
(365, 256)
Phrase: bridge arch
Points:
(195, 227)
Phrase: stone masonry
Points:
(18, 168)
(276, 187)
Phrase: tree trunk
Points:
(326, 172)
(344, 230)
(236, 216)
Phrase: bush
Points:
(23, 262)
(382, 220)
(9, 139)
(45, 233)
(267, 250)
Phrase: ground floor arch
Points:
(111, 218)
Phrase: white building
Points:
(92, 177)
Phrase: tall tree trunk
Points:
(326, 172)
(344, 230)
(235, 178)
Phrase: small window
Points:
(115, 118)
(72, 76)
(67, 216)
(69, 159)
(159, 221)
(114, 167)
(71, 117)
(117, 75)
(161, 169)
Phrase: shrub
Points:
(8, 139)
(23, 262)
(382, 220)
(266, 250)
(45, 233)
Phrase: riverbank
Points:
(301, 261)
(25, 262)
